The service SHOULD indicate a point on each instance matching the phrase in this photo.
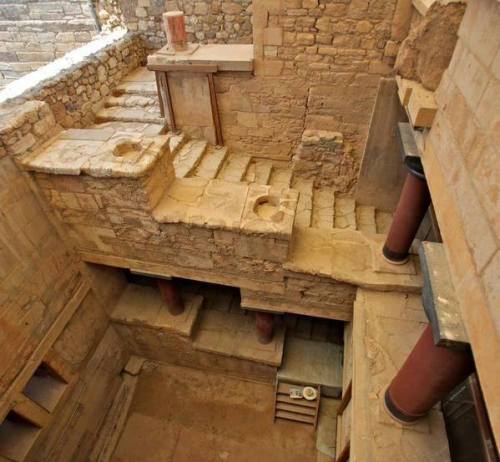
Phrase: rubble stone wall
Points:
(34, 33)
(317, 67)
(207, 21)
(75, 93)
(462, 165)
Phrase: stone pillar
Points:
(175, 29)
(172, 296)
(428, 375)
(412, 207)
(264, 323)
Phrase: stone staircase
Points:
(135, 101)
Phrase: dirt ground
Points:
(185, 415)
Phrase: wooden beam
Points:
(344, 454)
(196, 68)
(346, 398)
(31, 411)
(215, 110)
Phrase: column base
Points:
(397, 414)
(395, 258)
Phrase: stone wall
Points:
(462, 164)
(317, 66)
(207, 21)
(75, 87)
(34, 33)
(44, 313)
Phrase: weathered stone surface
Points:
(426, 52)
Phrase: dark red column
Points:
(428, 375)
(412, 206)
(264, 322)
(172, 296)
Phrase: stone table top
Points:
(97, 152)
(227, 57)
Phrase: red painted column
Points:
(172, 296)
(175, 29)
(412, 207)
(264, 322)
(428, 375)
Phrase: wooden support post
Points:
(215, 110)
(165, 97)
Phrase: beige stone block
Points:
(305, 39)
(309, 3)
(401, 19)
(270, 51)
(273, 36)
(391, 49)
(324, 39)
(294, 4)
(268, 67)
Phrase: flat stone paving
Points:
(386, 327)
(185, 415)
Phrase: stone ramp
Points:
(314, 363)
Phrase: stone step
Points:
(212, 162)
(176, 141)
(217, 332)
(323, 208)
(365, 219)
(140, 74)
(281, 177)
(143, 306)
(136, 88)
(345, 213)
(234, 168)
(259, 171)
(188, 157)
(313, 363)
(146, 115)
(134, 101)
(303, 215)
(146, 129)
(383, 221)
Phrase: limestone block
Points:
(273, 36)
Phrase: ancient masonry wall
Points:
(317, 66)
(52, 310)
(34, 33)
(75, 94)
(207, 21)
(462, 164)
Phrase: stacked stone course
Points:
(76, 94)
(207, 21)
(34, 33)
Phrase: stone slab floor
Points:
(180, 414)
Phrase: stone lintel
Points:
(439, 299)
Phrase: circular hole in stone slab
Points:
(126, 147)
(267, 208)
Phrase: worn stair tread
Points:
(383, 221)
(136, 88)
(303, 214)
(259, 171)
(148, 129)
(120, 114)
(295, 417)
(295, 409)
(137, 101)
(234, 167)
(365, 218)
(281, 177)
(140, 74)
(285, 399)
(176, 141)
(345, 213)
(323, 208)
(211, 163)
(188, 157)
